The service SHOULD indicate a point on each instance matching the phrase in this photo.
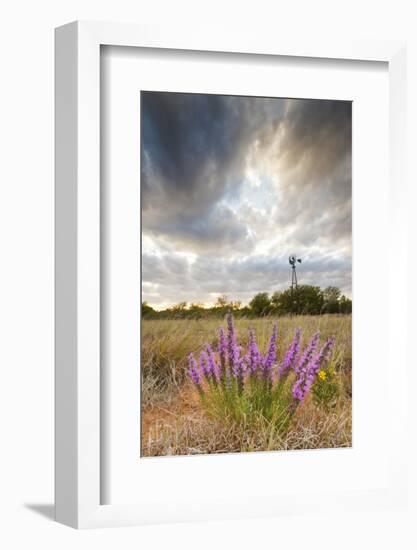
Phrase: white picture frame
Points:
(77, 242)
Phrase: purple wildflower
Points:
(239, 367)
(271, 354)
(214, 367)
(205, 366)
(254, 355)
(223, 355)
(317, 362)
(302, 369)
(239, 370)
(233, 350)
(308, 353)
(297, 390)
(326, 351)
(291, 356)
(308, 372)
(194, 372)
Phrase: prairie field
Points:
(175, 422)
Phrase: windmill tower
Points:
(294, 283)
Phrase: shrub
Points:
(248, 387)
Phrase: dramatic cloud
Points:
(232, 185)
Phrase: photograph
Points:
(246, 274)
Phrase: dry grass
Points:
(173, 422)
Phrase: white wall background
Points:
(26, 268)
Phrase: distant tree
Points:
(223, 305)
(331, 295)
(148, 311)
(196, 311)
(220, 308)
(222, 301)
(283, 302)
(345, 305)
(277, 304)
(260, 304)
(245, 311)
(178, 311)
(310, 299)
(305, 299)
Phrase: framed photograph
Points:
(226, 184)
(229, 215)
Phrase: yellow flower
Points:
(322, 375)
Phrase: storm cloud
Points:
(231, 186)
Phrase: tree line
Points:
(304, 300)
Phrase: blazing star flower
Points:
(205, 365)
(308, 353)
(271, 354)
(317, 362)
(254, 358)
(302, 369)
(233, 350)
(322, 375)
(222, 354)
(326, 350)
(239, 370)
(297, 391)
(307, 375)
(194, 372)
(324, 355)
(213, 366)
(291, 356)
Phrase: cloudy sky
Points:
(231, 186)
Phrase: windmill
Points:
(294, 284)
(293, 259)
